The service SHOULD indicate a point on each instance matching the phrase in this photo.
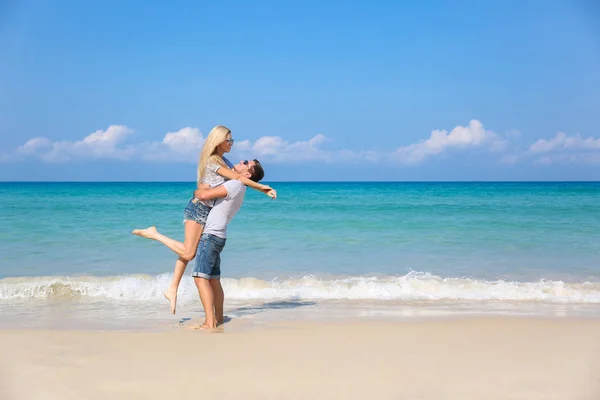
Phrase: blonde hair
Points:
(217, 135)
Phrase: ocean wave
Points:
(410, 287)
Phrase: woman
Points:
(213, 170)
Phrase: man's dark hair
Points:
(257, 171)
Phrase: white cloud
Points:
(34, 145)
(276, 149)
(566, 149)
(440, 141)
(183, 146)
(564, 142)
(184, 140)
(31, 147)
(99, 144)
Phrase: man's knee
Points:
(201, 281)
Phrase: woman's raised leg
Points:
(193, 230)
(185, 250)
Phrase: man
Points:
(207, 269)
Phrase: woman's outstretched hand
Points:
(269, 191)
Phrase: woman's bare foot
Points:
(149, 233)
(171, 295)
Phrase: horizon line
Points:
(359, 181)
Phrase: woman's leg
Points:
(185, 250)
(171, 292)
(193, 231)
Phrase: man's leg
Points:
(215, 279)
(208, 302)
(219, 299)
(207, 268)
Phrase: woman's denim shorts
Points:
(196, 211)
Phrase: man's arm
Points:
(232, 175)
(209, 194)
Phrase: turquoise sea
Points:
(321, 250)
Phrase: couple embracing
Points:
(218, 197)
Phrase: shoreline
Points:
(151, 317)
(455, 358)
(60, 314)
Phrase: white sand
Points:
(476, 358)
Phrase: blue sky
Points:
(334, 90)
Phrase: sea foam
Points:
(410, 287)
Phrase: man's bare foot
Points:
(171, 295)
(149, 233)
(193, 327)
(201, 327)
(206, 326)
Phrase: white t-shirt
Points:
(225, 208)
(211, 177)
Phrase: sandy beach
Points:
(473, 358)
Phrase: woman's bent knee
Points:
(188, 256)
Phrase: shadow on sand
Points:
(273, 305)
(251, 310)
